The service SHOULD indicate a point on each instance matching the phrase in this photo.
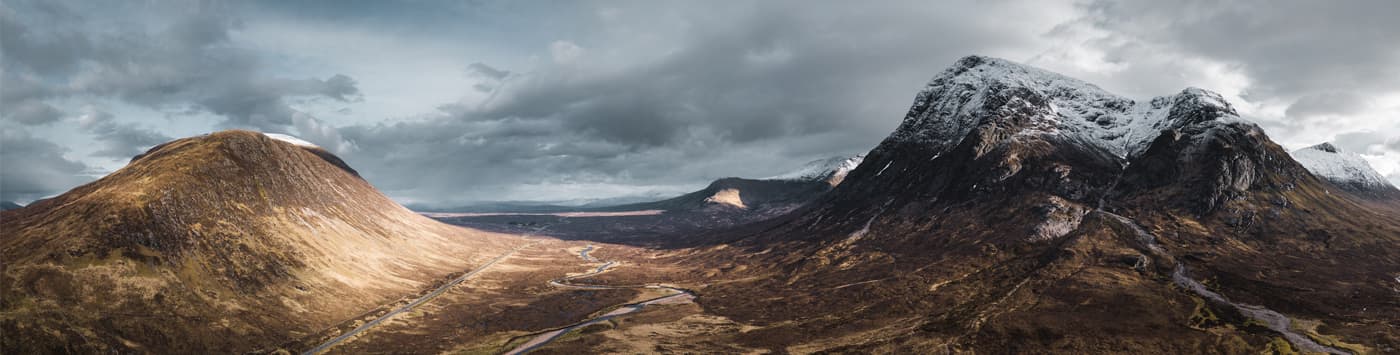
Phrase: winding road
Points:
(542, 339)
(408, 307)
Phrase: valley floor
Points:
(539, 300)
(502, 308)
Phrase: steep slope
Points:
(1347, 170)
(231, 241)
(1017, 210)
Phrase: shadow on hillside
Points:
(660, 231)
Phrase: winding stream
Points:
(1273, 320)
(542, 339)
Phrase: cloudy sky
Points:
(447, 103)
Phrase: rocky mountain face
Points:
(1347, 170)
(231, 241)
(1019, 210)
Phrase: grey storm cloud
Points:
(184, 60)
(1336, 103)
(1367, 142)
(34, 168)
(1290, 47)
(119, 141)
(33, 113)
(643, 95)
(742, 92)
(481, 69)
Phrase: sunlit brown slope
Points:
(230, 241)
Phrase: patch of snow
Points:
(822, 169)
(864, 229)
(882, 170)
(955, 102)
(1334, 164)
(290, 139)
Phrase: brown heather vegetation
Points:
(227, 242)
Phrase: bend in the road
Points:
(547, 337)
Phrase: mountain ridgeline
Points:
(1347, 170)
(1019, 210)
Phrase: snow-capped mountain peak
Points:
(291, 139)
(831, 170)
(977, 87)
(1346, 169)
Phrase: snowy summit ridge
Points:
(291, 139)
(822, 169)
(977, 88)
(1347, 169)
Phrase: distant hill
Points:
(227, 242)
(1346, 170)
(683, 220)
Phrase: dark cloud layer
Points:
(624, 97)
(34, 168)
(166, 56)
(1290, 47)
(119, 141)
(33, 113)
(751, 79)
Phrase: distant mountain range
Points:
(682, 220)
(787, 189)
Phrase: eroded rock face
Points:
(1061, 218)
(1202, 167)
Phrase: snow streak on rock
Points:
(955, 101)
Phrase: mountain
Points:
(1347, 170)
(679, 221)
(9, 205)
(830, 170)
(784, 189)
(684, 220)
(231, 242)
(1019, 210)
(766, 197)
